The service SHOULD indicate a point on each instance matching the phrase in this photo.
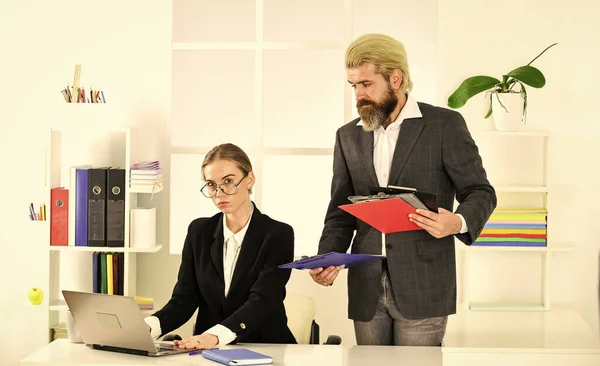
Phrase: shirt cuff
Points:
(224, 334)
(463, 228)
(154, 324)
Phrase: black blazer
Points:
(254, 307)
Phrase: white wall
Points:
(124, 47)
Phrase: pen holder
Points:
(143, 227)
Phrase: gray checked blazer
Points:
(436, 154)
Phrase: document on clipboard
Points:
(423, 200)
(335, 259)
(387, 215)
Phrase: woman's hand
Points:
(202, 341)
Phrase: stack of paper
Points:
(145, 303)
(59, 331)
(146, 177)
(515, 227)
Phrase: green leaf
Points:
(469, 88)
(489, 112)
(524, 94)
(529, 75)
(536, 57)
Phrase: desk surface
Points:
(556, 331)
(63, 353)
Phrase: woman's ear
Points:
(250, 180)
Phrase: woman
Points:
(229, 264)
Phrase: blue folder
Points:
(239, 356)
(333, 259)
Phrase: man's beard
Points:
(376, 114)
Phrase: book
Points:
(238, 356)
(146, 165)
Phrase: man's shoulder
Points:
(432, 112)
(349, 127)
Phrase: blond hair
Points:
(385, 52)
(229, 152)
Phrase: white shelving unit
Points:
(72, 145)
(546, 253)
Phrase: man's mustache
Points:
(363, 102)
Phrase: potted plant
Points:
(508, 106)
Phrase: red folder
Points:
(59, 216)
(388, 215)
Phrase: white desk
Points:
(63, 353)
(550, 338)
(554, 338)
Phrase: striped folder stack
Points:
(515, 227)
(145, 303)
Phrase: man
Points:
(406, 299)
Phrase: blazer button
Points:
(242, 325)
(388, 246)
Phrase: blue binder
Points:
(333, 259)
(239, 356)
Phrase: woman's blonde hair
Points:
(385, 52)
(229, 152)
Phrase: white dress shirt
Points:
(232, 243)
(384, 145)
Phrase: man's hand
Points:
(202, 341)
(439, 224)
(325, 276)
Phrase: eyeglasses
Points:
(209, 190)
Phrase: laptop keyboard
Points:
(161, 347)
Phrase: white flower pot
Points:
(507, 116)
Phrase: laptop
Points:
(114, 323)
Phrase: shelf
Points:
(136, 190)
(153, 249)
(58, 305)
(551, 248)
(521, 188)
(493, 306)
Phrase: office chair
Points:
(300, 310)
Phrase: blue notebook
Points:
(333, 259)
(238, 356)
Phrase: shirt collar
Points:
(410, 110)
(239, 236)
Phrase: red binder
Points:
(59, 217)
(389, 215)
